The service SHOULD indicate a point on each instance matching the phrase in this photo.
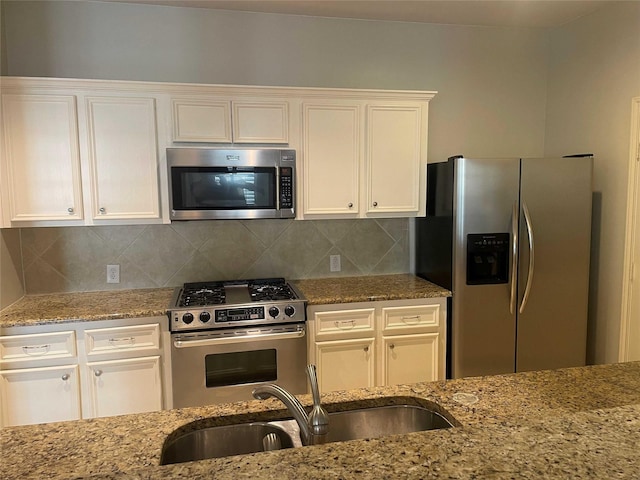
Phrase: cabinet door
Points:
(345, 364)
(119, 387)
(331, 160)
(260, 122)
(393, 159)
(39, 395)
(42, 155)
(410, 358)
(123, 152)
(196, 120)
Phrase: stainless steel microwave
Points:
(212, 183)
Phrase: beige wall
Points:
(75, 258)
(594, 72)
(11, 287)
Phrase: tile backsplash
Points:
(70, 259)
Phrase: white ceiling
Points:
(514, 13)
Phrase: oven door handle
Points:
(217, 340)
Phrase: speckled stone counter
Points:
(324, 291)
(72, 307)
(108, 305)
(572, 423)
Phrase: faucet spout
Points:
(313, 427)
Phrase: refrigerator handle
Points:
(514, 256)
(527, 289)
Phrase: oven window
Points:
(237, 368)
(214, 188)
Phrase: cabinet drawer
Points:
(345, 323)
(25, 348)
(410, 319)
(136, 338)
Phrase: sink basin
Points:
(382, 421)
(239, 439)
(222, 441)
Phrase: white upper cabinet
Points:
(230, 121)
(364, 158)
(394, 154)
(332, 153)
(42, 158)
(93, 152)
(201, 120)
(123, 155)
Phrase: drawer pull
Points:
(36, 350)
(97, 373)
(392, 346)
(122, 342)
(65, 377)
(366, 349)
(347, 323)
(412, 317)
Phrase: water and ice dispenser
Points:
(487, 258)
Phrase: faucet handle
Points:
(313, 382)
(318, 420)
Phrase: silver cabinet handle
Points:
(36, 350)
(527, 290)
(350, 205)
(412, 317)
(102, 210)
(346, 323)
(65, 377)
(122, 342)
(514, 257)
(375, 204)
(70, 210)
(97, 373)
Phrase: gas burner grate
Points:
(271, 292)
(198, 295)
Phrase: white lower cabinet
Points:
(117, 387)
(39, 395)
(52, 373)
(378, 343)
(410, 358)
(333, 356)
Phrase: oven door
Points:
(226, 365)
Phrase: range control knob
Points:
(187, 318)
(274, 312)
(205, 317)
(289, 311)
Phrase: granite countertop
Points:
(113, 304)
(85, 306)
(569, 423)
(323, 291)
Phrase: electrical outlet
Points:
(334, 263)
(113, 273)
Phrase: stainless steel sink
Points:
(222, 441)
(245, 438)
(382, 421)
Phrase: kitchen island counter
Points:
(570, 423)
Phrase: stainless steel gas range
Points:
(228, 337)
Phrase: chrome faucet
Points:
(314, 427)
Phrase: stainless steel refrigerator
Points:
(511, 239)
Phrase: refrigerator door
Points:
(555, 225)
(483, 314)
